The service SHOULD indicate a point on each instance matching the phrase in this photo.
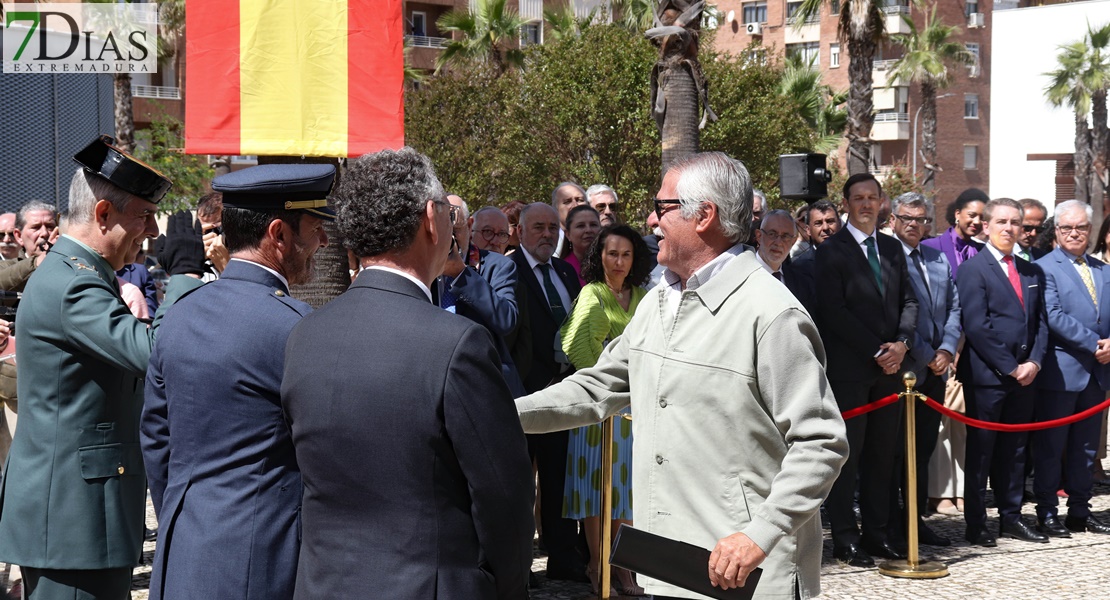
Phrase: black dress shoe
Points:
(884, 549)
(1052, 527)
(853, 555)
(1018, 530)
(980, 537)
(927, 536)
(149, 535)
(1089, 524)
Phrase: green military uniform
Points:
(73, 493)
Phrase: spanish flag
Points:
(294, 77)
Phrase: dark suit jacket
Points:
(938, 312)
(1000, 333)
(219, 457)
(854, 318)
(797, 274)
(417, 482)
(543, 369)
(1075, 323)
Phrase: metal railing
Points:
(155, 91)
(895, 9)
(883, 65)
(423, 41)
(892, 117)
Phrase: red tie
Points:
(1011, 270)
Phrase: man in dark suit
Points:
(935, 337)
(867, 314)
(483, 288)
(551, 286)
(776, 235)
(1002, 312)
(218, 453)
(416, 476)
(1075, 374)
(1032, 225)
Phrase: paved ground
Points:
(1059, 570)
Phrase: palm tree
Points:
(678, 86)
(818, 104)
(928, 54)
(489, 36)
(1081, 83)
(564, 23)
(634, 15)
(861, 29)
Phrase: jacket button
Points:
(659, 458)
(1024, 347)
(662, 403)
(120, 469)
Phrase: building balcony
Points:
(891, 126)
(423, 41)
(880, 74)
(893, 20)
(155, 91)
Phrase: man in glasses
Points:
(934, 339)
(604, 200)
(9, 249)
(489, 230)
(1032, 225)
(776, 235)
(35, 230)
(712, 339)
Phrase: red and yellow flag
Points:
(294, 77)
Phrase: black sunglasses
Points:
(1032, 228)
(659, 204)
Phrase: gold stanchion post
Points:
(911, 568)
(606, 506)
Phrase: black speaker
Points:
(803, 177)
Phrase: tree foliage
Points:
(579, 111)
(489, 36)
(162, 147)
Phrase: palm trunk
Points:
(1099, 179)
(680, 134)
(1082, 158)
(124, 113)
(861, 108)
(929, 136)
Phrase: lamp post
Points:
(916, 115)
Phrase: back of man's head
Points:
(382, 199)
(718, 178)
(85, 190)
(244, 228)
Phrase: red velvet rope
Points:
(870, 406)
(933, 404)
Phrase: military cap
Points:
(122, 170)
(279, 187)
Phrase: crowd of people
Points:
(383, 443)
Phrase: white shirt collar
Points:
(995, 252)
(281, 277)
(427, 291)
(532, 262)
(857, 235)
(706, 272)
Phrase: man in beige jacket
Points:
(737, 436)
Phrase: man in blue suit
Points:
(1075, 375)
(219, 455)
(935, 337)
(483, 288)
(1004, 320)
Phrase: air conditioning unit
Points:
(754, 28)
(973, 70)
(976, 20)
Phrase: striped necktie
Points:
(1085, 275)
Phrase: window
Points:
(973, 68)
(971, 7)
(755, 12)
(419, 24)
(531, 33)
(834, 56)
(810, 52)
(757, 56)
(791, 8)
(834, 8)
(971, 158)
(971, 106)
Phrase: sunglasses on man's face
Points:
(1032, 228)
(660, 203)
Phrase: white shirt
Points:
(409, 276)
(284, 281)
(998, 255)
(564, 295)
(861, 238)
(673, 284)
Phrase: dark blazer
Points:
(138, 275)
(938, 312)
(417, 482)
(797, 275)
(1075, 323)
(854, 318)
(219, 457)
(488, 296)
(1000, 334)
(544, 328)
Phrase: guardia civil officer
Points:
(223, 477)
(73, 499)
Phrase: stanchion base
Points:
(923, 570)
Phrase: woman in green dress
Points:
(615, 268)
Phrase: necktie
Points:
(1085, 275)
(777, 275)
(915, 258)
(557, 309)
(1015, 281)
(873, 258)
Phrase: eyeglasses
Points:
(452, 210)
(7, 234)
(489, 235)
(1067, 229)
(216, 230)
(602, 206)
(782, 237)
(1036, 228)
(919, 220)
(659, 204)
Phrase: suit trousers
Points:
(1075, 445)
(875, 448)
(997, 454)
(560, 536)
(66, 584)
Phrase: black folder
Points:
(673, 562)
